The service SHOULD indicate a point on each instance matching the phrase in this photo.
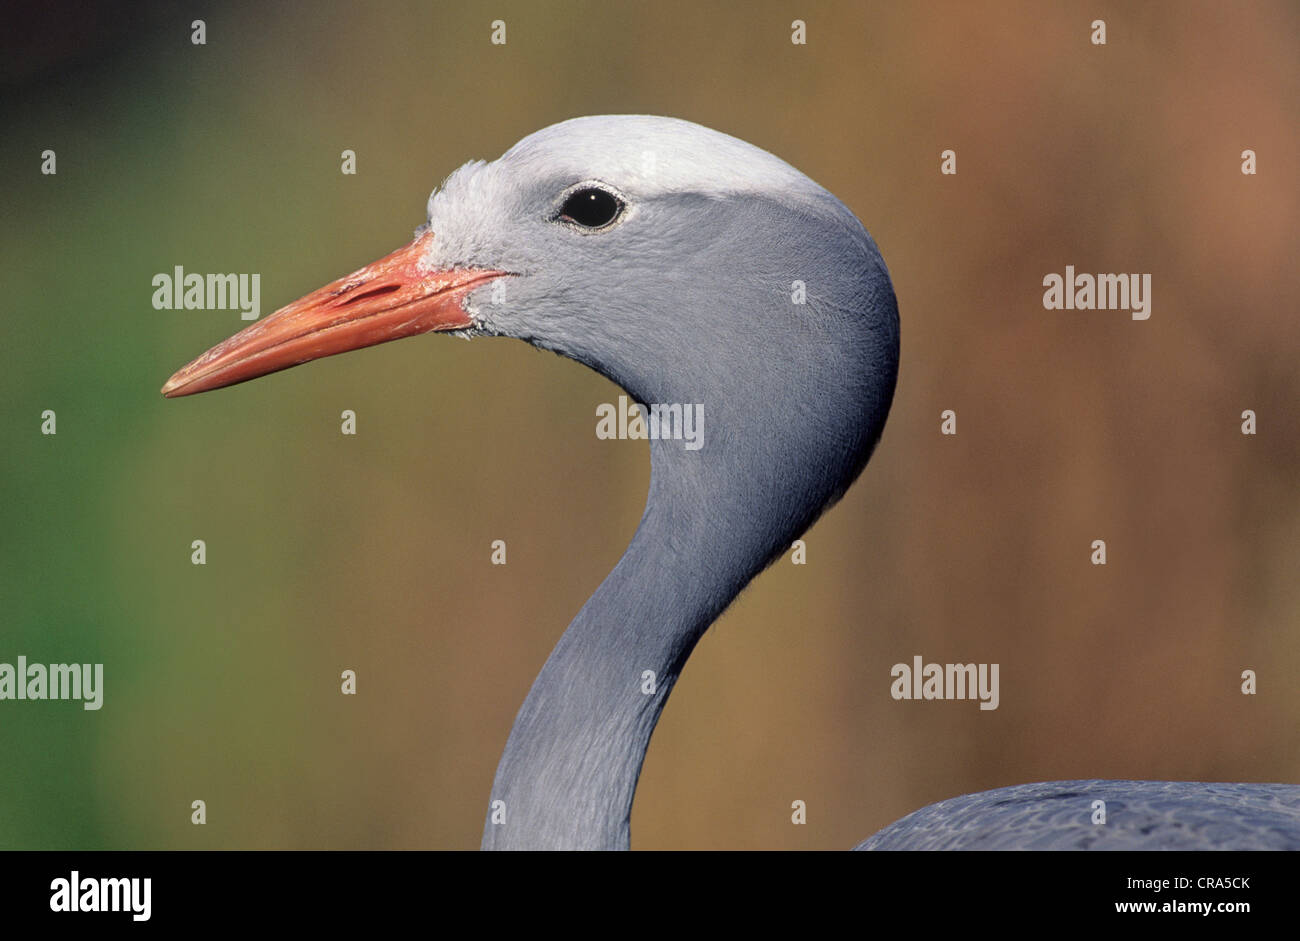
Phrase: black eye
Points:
(591, 208)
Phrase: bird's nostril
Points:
(373, 292)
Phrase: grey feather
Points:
(1139, 815)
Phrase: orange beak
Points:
(391, 298)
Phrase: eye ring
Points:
(590, 207)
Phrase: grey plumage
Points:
(1139, 815)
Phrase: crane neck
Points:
(784, 443)
(569, 771)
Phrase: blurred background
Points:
(371, 553)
